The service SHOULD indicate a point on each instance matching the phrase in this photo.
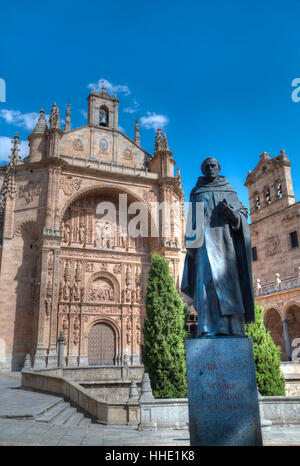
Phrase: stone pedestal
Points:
(222, 392)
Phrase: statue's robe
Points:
(218, 274)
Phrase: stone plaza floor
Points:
(19, 408)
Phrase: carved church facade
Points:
(64, 266)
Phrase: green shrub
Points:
(270, 382)
(163, 351)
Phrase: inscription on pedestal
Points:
(222, 392)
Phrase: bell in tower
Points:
(103, 109)
(103, 116)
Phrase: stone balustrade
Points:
(277, 286)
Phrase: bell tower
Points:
(270, 186)
(103, 109)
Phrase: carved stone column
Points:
(52, 352)
(49, 206)
(40, 358)
(287, 339)
(83, 357)
(61, 350)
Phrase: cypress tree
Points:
(270, 382)
(163, 351)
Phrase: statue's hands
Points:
(229, 212)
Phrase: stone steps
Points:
(62, 413)
(52, 412)
(64, 416)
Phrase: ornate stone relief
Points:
(272, 246)
(89, 266)
(149, 196)
(69, 185)
(103, 145)
(77, 145)
(127, 153)
(100, 309)
(101, 290)
(117, 268)
(30, 190)
(104, 235)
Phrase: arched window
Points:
(279, 190)
(268, 196)
(257, 202)
(103, 116)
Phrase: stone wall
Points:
(155, 414)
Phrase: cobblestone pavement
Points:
(15, 402)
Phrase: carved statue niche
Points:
(138, 275)
(76, 331)
(66, 233)
(104, 235)
(128, 330)
(128, 295)
(137, 294)
(50, 262)
(76, 291)
(65, 328)
(66, 291)
(77, 282)
(138, 330)
(128, 276)
(48, 300)
(123, 238)
(81, 233)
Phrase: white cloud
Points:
(133, 109)
(111, 88)
(23, 120)
(15, 117)
(154, 121)
(83, 113)
(6, 145)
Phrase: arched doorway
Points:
(101, 345)
(273, 324)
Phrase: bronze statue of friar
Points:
(218, 266)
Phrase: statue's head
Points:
(210, 168)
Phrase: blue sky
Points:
(218, 74)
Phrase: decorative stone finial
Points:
(41, 125)
(133, 394)
(283, 155)
(14, 157)
(61, 337)
(165, 145)
(68, 118)
(158, 139)
(146, 390)
(137, 138)
(54, 117)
